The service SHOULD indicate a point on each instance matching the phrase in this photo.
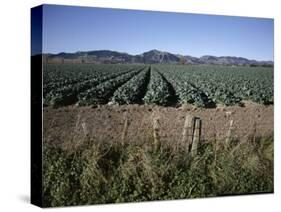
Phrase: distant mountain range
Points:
(150, 57)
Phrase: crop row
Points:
(68, 94)
(185, 91)
(158, 91)
(133, 90)
(226, 85)
(203, 86)
(101, 93)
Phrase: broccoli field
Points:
(205, 86)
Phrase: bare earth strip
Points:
(70, 125)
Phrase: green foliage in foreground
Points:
(96, 173)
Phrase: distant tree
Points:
(253, 65)
(183, 61)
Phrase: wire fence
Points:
(133, 127)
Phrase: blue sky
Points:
(71, 29)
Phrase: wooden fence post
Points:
(85, 128)
(125, 128)
(156, 127)
(229, 133)
(187, 133)
(254, 131)
(196, 137)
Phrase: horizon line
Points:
(271, 60)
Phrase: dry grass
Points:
(101, 171)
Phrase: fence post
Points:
(125, 128)
(156, 131)
(254, 131)
(196, 137)
(229, 133)
(187, 133)
(85, 132)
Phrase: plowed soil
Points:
(71, 125)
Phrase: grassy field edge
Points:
(96, 172)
